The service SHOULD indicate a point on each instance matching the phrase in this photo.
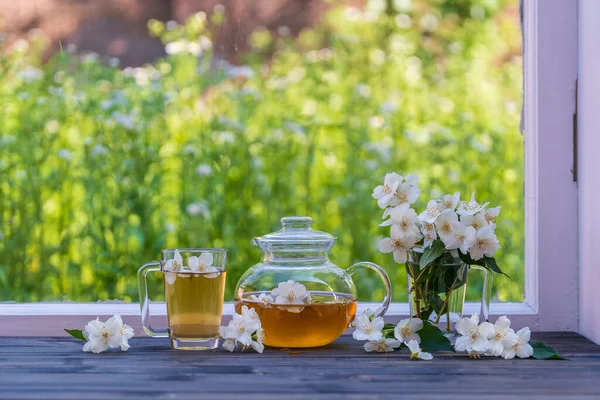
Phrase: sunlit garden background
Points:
(101, 167)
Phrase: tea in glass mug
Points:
(194, 281)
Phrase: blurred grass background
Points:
(102, 167)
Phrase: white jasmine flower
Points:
(385, 193)
(406, 330)
(406, 193)
(257, 342)
(522, 348)
(431, 213)
(290, 292)
(490, 214)
(101, 336)
(486, 244)
(202, 264)
(97, 335)
(398, 245)
(250, 313)
(176, 263)
(474, 336)
(241, 329)
(429, 234)
(463, 237)
(444, 224)
(367, 329)
(470, 208)
(477, 221)
(124, 330)
(416, 353)
(403, 218)
(450, 201)
(503, 337)
(382, 345)
(229, 344)
(264, 298)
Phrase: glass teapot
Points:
(301, 297)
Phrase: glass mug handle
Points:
(145, 302)
(486, 292)
(386, 281)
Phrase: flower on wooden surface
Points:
(474, 336)
(368, 327)
(382, 345)
(416, 353)
(100, 336)
(521, 348)
(407, 329)
(504, 337)
(244, 329)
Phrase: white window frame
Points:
(551, 241)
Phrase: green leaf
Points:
(541, 351)
(433, 339)
(469, 261)
(431, 253)
(435, 301)
(76, 333)
(490, 263)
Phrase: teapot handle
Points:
(386, 281)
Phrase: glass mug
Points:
(194, 281)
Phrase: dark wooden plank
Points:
(56, 368)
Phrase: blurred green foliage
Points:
(100, 167)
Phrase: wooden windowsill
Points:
(56, 368)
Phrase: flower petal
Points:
(206, 259)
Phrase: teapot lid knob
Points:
(296, 222)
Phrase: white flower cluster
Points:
(370, 328)
(460, 225)
(285, 293)
(244, 329)
(497, 340)
(101, 336)
(202, 264)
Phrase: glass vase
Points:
(437, 291)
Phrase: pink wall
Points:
(589, 169)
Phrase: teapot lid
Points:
(296, 233)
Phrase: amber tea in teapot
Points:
(312, 325)
(301, 297)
